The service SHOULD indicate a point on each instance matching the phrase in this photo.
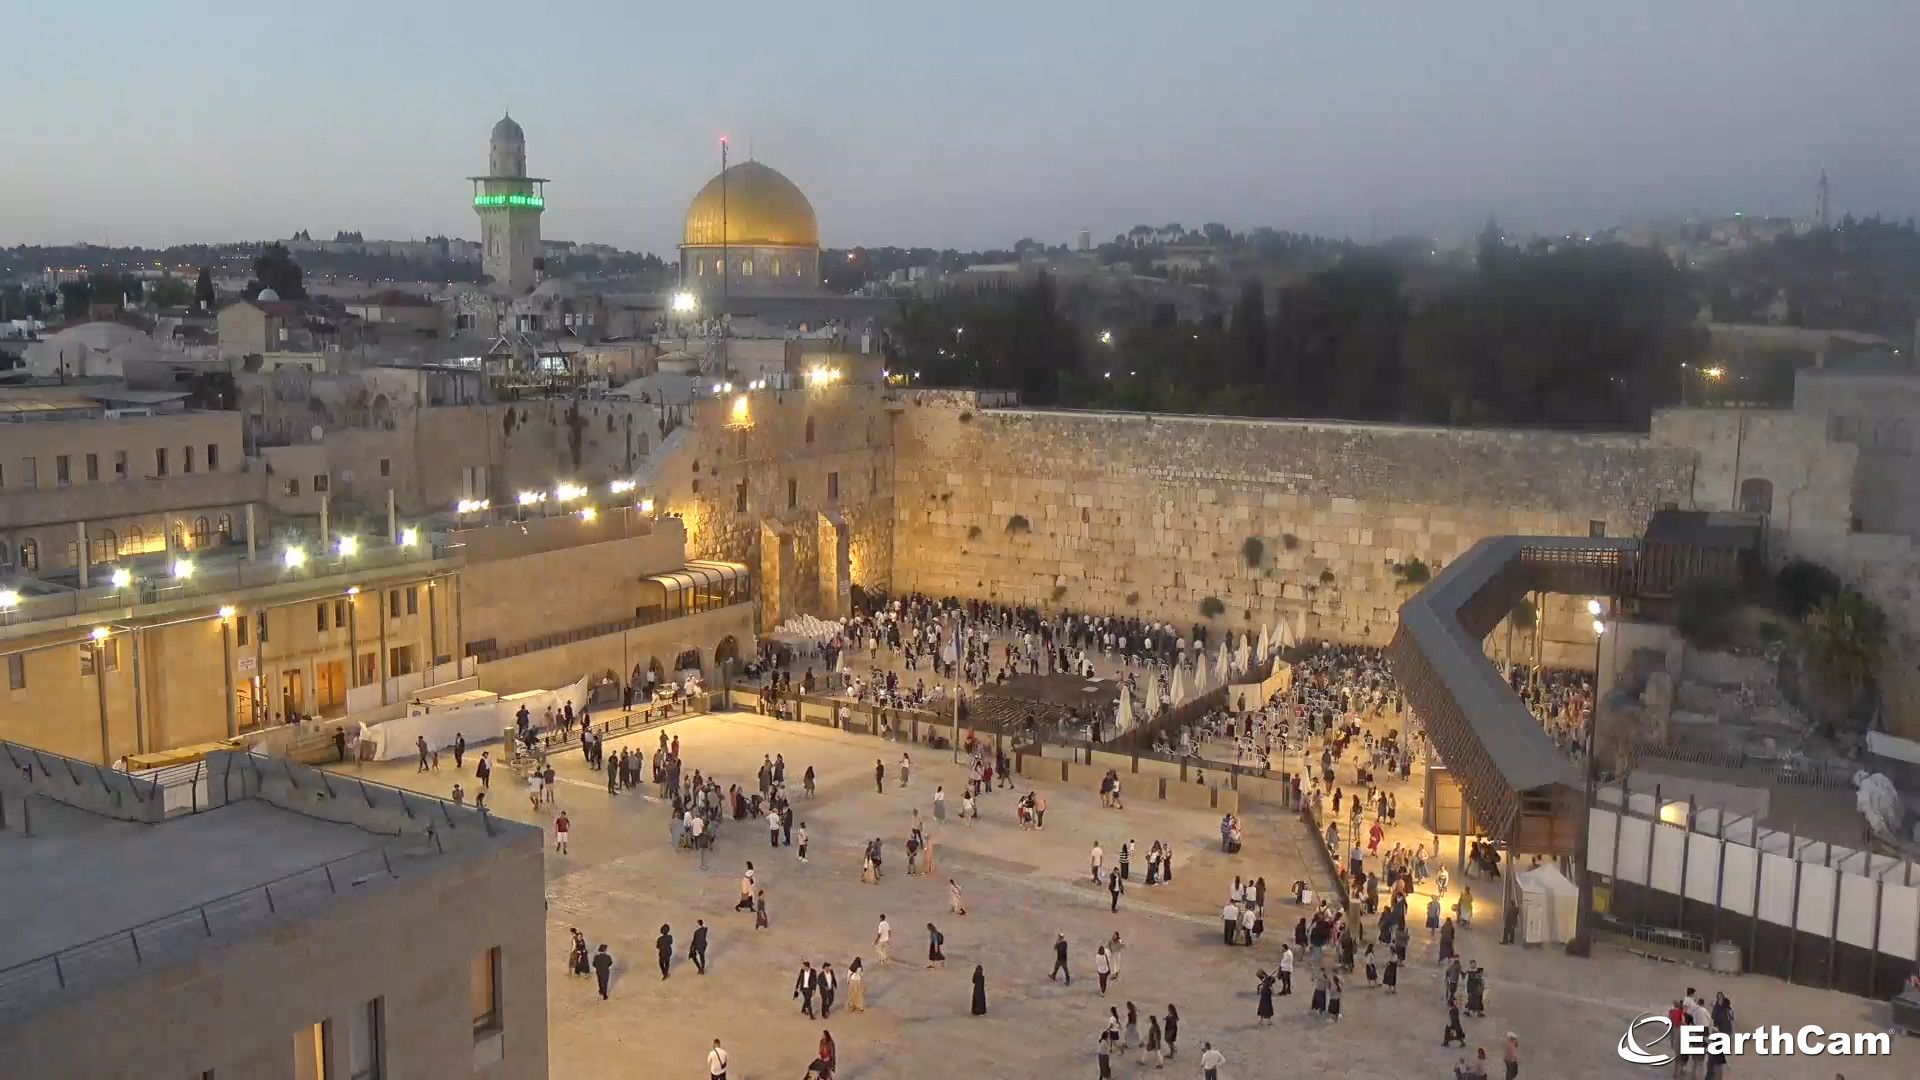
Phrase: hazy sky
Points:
(952, 124)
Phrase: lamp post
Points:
(1581, 944)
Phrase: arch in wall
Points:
(728, 652)
(688, 660)
(136, 541)
(29, 554)
(202, 532)
(1756, 495)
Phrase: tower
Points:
(1820, 202)
(509, 203)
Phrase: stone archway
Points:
(727, 653)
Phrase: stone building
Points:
(248, 928)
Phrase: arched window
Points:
(1756, 496)
(699, 268)
(29, 555)
(202, 533)
(746, 267)
(104, 547)
(719, 268)
(776, 268)
(226, 528)
(136, 541)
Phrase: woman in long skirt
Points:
(979, 990)
(1154, 1046)
(1333, 999)
(1265, 1009)
(1392, 977)
(856, 987)
(1373, 970)
(1172, 1029)
(1319, 1003)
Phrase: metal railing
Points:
(489, 653)
(114, 956)
(1805, 770)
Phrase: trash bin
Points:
(1724, 958)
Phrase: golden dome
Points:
(763, 207)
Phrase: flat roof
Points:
(81, 876)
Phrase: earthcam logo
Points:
(1646, 1040)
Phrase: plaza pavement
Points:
(622, 881)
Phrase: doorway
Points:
(293, 692)
(330, 687)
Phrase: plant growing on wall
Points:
(1413, 572)
(1326, 577)
(966, 418)
(1289, 541)
(1212, 607)
(1133, 598)
(1058, 592)
(1018, 523)
(1846, 634)
(973, 532)
(1253, 549)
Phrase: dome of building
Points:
(507, 130)
(268, 296)
(762, 208)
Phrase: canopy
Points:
(1264, 648)
(1549, 905)
(1123, 714)
(1178, 693)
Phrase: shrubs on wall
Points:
(1058, 592)
(1705, 610)
(1253, 550)
(1018, 523)
(1326, 577)
(1211, 607)
(1289, 541)
(973, 532)
(1133, 598)
(1413, 572)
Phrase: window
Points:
(386, 466)
(109, 655)
(484, 991)
(240, 626)
(320, 616)
(93, 468)
(226, 527)
(393, 603)
(160, 461)
(119, 464)
(809, 429)
(365, 1034)
(3, 476)
(293, 486)
(29, 472)
(740, 498)
(776, 268)
(63, 470)
(833, 487)
(17, 671)
(369, 669)
(339, 613)
(400, 661)
(793, 493)
(136, 540)
(413, 599)
(1756, 496)
(262, 618)
(186, 459)
(86, 661)
(202, 533)
(29, 554)
(310, 1052)
(1596, 529)
(6, 555)
(746, 267)
(700, 269)
(320, 482)
(213, 456)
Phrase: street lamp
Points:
(684, 303)
(1581, 944)
(409, 536)
(9, 599)
(347, 546)
(122, 577)
(182, 569)
(294, 557)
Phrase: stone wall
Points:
(1152, 515)
(796, 484)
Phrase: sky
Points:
(964, 125)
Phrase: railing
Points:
(487, 653)
(167, 938)
(1790, 768)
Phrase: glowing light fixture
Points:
(529, 498)
(1593, 608)
(620, 487)
(122, 577)
(409, 536)
(588, 513)
(9, 599)
(471, 506)
(1106, 337)
(568, 492)
(182, 569)
(226, 611)
(1599, 627)
(740, 409)
(646, 506)
(294, 557)
(684, 303)
(347, 545)
(353, 590)
(99, 633)
(485, 201)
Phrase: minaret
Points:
(1820, 202)
(509, 203)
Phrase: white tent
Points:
(1179, 691)
(1549, 904)
(1264, 648)
(1123, 715)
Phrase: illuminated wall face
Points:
(535, 201)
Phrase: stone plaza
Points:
(622, 879)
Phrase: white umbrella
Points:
(1179, 692)
(1244, 656)
(1287, 640)
(1123, 716)
(1265, 647)
(1153, 694)
(1221, 662)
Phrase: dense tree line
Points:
(1591, 336)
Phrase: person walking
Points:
(664, 946)
(935, 940)
(803, 986)
(1114, 888)
(856, 986)
(1171, 1029)
(760, 911)
(1286, 970)
(879, 777)
(1510, 1056)
(697, 950)
(882, 938)
(1154, 1045)
(829, 984)
(1210, 1061)
(979, 990)
(940, 804)
(1263, 985)
(801, 846)
(746, 886)
(483, 770)
(717, 1062)
(561, 827)
(1102, 967)
(954, 902)
(603, 969)
(459, 749)
(1060, 960)
(1096, 857)
(420, 744)
(1229, 920)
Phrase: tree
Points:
(170, 292)
(1251, 343)
(75, 298)
(203, 296)
(275, 269)
(1845, 636)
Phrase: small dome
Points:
(762, 207)
(507, 130)
(267, 296)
